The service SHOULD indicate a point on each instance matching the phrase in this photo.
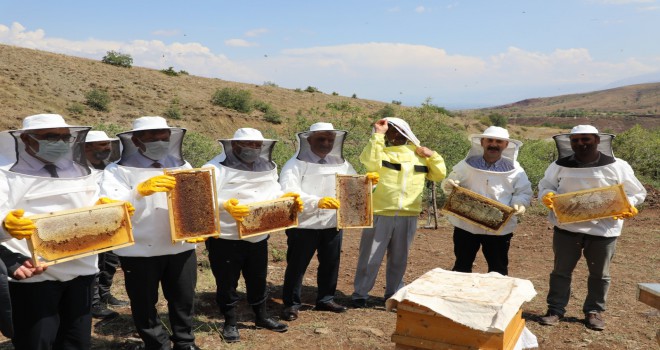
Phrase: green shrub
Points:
(76, 108)
(335, 93)
(395, 102)
(535, 156)
(118, 59)
(498, 120)
(312, 89)
(640, 147)
(174, 110)
(236, 99)
(97, 100)
(269, 83)
(198, 149)
(183, 72)
(169, 71)
(386, 112)
(354, 96)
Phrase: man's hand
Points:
(519, 209)
(627, 215)
(328, 203)
(18, 226)
(27, 270)
(449, 184)
(373, 176)
(160, 183)
(296, 198)
(423, 151)
(381, 126)
(547, 200)
(106, 200)
(238, 212)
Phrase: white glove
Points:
(519, 208)
(448, 185)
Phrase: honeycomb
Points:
(354, 195)
(269, 216)
(193, 204)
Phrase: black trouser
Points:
(495, 248)
(108, 263)
(52, 314)
(228, 258)
(301, 245)
(177, 275)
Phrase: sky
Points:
(456, 54)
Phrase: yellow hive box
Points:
(72, 234)
(354, 195)
(268, 216)
(593, 204)
(476, 209)
(418, 327)
(193, 204)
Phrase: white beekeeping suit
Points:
(314, 178)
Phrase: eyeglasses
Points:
(68, 138)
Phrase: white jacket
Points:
(39, 195)
(313, 181)
(151, 223)
(509, 188)
(559, 179)
(247, 187)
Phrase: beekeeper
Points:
(395, 153)
(47, 173)
(100, 150)
(153, 260)
(245, 173)
(585, 161)
(490, 169)
(311, 172)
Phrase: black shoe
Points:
(230, 333)
(112, 301)
(290, 313)
(102, 312)
(187, 347)
(359, 303)
(330, 306)
(271, 324)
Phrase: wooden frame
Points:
(354, 193)
(592, 204)
(268, 216)
(476, 209)
(193, 204)
(87, 236)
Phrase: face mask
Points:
(156, 150)
(249, 155)
(52, 151)
(102, 155)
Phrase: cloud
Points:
(420, 9)
(166, 32)
(256, 32)
(239, 43)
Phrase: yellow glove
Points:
(547, 199)
(196, 240)
(296, 198)
(374, 177)
(449, 184)
(160, 183)
(328, 203)
(519, 209)
(626, 215)
(238, 212)
(18, 226)
(106, 200)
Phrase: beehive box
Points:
(593, 204)
(417, 327)
(354, 195)
(72, 234)
(268, 216)
(476, 209)
(193, 205)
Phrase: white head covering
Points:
(247, 134)
(153, 123)
(98, 136)
(498, 133)
(47, 121)
(563, 141)
(335, 156)
(404, 129)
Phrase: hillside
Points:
(34, 81)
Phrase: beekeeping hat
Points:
(42, 121)
(247, 140)
(144, 124)
(327, 144)
(99, 136)
(563, 141)
(403, 128)
(498, 133)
